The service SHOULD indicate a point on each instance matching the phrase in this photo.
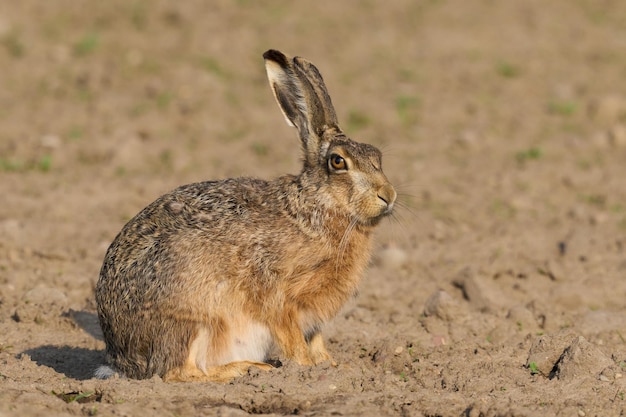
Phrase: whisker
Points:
(343, 243)
(387, 149)
(397, 223)
(407, 202)
(390, 150)
(406, 207)
(407, 186)
(409, 191)
(396, 220)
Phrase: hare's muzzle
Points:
(387, 194)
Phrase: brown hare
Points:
(204, 282)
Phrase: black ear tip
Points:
(276, 56)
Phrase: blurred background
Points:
(104, 97)
(502, 123)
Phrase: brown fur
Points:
(205, 280)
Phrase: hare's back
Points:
(198, 220)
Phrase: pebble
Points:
(440, 231)
(617, 136)
(5, 27)
(600, 139)
(11, 229)
(134, 57)
(439, 340)
(607, 109)
(523, 318)
(440, 304)
(50, 141)
(473, 290)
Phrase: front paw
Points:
(320, 356)
(318, 352)
(304, 361)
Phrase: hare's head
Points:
(348, 175)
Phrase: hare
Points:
(204, 282)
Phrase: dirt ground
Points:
(498, 288)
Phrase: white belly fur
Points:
(246, 341)
(249, 342)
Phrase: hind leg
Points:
(220, 373)
(202, 348)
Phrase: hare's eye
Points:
(336, 162)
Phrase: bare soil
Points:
(499, 287)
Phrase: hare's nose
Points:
(388, 195)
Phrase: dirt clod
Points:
(441, 305)
(547, 350)
(581, 359)
(41, 304)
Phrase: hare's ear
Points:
(302, 96)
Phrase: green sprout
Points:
(87, 44)
(529, 154)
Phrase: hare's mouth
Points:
(386, 198)
(387, 204)
(388, 210)
(375, 219)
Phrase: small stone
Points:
(50, 141)
(608, 374)
(600, 139)
(60, 54)
(5, 27)
(524, 318)
(44, 295)
(607, 109)
(439, 340)
(11, 229)
(581, 413)
(467, 138)
(475, 291)
(617, 136)
(134, 58)
(441, 305)
(440, 231)
(501, 333)
(598, 218)
(398, 350)
(332, 387)
(618, 375)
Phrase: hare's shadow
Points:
(73, 362)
